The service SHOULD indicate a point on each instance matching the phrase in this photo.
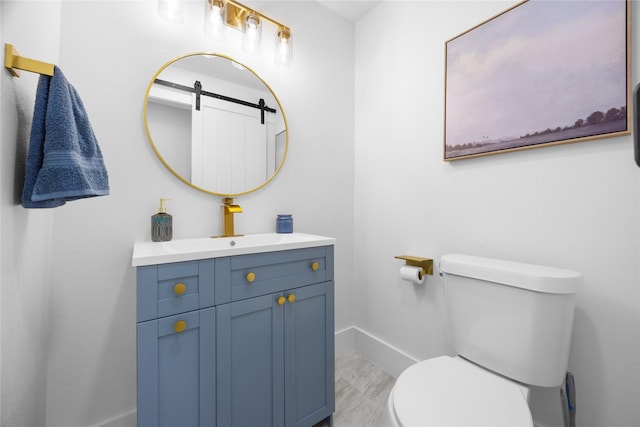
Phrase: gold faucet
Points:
(228, 209)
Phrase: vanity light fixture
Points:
(252, 33)
(220, 14)
(215, 19)
(249, 21)
(171, 10)
(284, 47)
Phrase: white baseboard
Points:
(128, 419)
(345, 341)
(392, 360)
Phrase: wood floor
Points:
(361, 392)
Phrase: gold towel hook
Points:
(14, 62)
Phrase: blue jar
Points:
(284, 224)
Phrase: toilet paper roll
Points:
(412, 274)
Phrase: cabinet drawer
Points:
(168, 289)
(261, 274)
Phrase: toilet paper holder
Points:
(425, 263)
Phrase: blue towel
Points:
(64, 161)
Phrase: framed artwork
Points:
(540, 73)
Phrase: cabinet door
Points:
(176, 370)
(309, 355)
(250, 356)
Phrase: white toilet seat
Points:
(447, 391)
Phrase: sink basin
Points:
(149, 253)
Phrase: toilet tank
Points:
(512, 318)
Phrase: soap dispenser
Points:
(162, 224)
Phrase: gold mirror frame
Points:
(166, 163)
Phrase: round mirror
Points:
(215, 124)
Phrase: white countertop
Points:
(150, 253)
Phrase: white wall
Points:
(574, 206)
(109, 50)
(68, 293)
(25, 247)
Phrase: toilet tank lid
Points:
(536, 278)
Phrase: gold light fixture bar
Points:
(237, 11)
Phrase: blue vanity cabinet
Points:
(176, 370)
(309, 355)
(275, 352)
(176, 345)
(234, 341)
(250, 372)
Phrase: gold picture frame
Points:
(540, 73)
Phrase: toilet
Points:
(510, 327)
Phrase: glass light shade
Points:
(215, 19)
(284, 47)
(171, 10)
(252, 33)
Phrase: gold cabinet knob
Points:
(291, 298)
(179, 288)
(180, 326)
(251, 277)
(315, 266)
(281, 300)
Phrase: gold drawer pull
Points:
(291, 298)
(315, 266)
(281, 300)
(179, 288)
(251, 277)
(180, 326)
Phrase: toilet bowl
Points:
(451, 391)
(510, 326)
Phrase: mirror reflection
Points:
(215, 124)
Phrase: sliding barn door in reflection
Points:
(232, 149)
